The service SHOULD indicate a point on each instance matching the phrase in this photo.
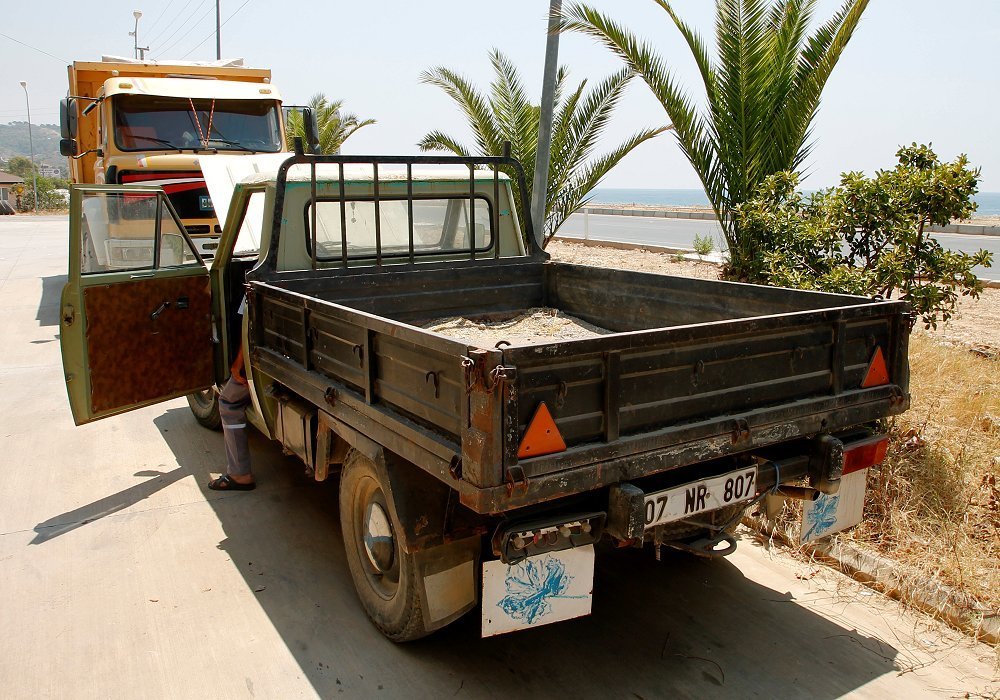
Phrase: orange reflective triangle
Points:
(877, 374)
(542, 436)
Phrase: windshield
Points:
(151, 123)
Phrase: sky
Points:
(916, 70)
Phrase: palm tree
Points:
(762, 93)
(335, 127)
(506, 114)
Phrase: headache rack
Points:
(498, 164)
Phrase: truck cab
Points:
(149, 124)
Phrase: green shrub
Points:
(869, 236)
(703, 245)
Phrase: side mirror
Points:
(68, 147)
(67, 118)
(312, 129)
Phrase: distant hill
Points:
(14, 142)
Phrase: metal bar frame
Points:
(269, 264)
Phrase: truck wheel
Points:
(205, 407)
(384, 575)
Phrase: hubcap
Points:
(379, 544)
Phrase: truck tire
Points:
(205, 407)
(384, 575)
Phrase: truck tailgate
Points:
(779, 376)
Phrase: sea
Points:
(989, 202)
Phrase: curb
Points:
(885, 575)
(965, 229)
(657, 213)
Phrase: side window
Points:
(439, 226)
(119, 230)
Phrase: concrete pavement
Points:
(121, 576)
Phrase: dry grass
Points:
(934, 505)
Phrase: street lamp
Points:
(31, 146)
(139, 51)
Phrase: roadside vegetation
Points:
(505, 113)
(335, 125)
(761, 93)
(50, 198)
(934, 504)
(868, 236)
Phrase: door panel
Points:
(136, 320)
(146, 339)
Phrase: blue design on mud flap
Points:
(531, 584)
(823, 515)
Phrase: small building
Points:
(7, 197)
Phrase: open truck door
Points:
(136, 311)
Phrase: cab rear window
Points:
(440, 225)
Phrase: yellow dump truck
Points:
(149, 123)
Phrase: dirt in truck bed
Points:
(536, 325)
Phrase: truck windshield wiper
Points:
(156, 139)
(236, 144)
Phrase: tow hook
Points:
(705, 547)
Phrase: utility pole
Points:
(31, 146)
(218, 30)
(542, 152)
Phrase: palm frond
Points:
(762, 91)
(440, 141)
(575, 193)
(472, 103)
(334, 125)
(579, 119)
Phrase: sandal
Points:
(227, 483)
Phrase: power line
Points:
(160, 16)
(33, 48)
(247, 2)
(193, 24)
(179, 16)
(168, 25)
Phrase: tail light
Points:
(865, 453)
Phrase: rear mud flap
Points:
(830, 514)
(537, 591)
(447, 580)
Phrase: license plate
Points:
(700, 496)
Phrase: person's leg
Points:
(233, 401)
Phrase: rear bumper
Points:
(591, 467)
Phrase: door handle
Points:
(159, 310)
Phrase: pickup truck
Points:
(482, 475)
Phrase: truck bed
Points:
(694, 370)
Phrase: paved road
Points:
(122, 577)
(680, 233)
